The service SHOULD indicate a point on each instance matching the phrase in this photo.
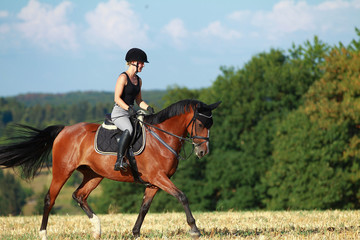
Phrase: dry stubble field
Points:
(214, 225)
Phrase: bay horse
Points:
(73, 149)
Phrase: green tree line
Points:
(40, 110)
(12, 194)
(286, 135)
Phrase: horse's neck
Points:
(175, 125)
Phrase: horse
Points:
(72, 149)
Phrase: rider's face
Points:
(140, 65)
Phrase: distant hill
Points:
(92, 97)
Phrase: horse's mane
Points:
(173, 110)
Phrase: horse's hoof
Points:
(96, 236)
(195, 234)
(43, 235)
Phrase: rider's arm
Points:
(142, 104)
(119, 88)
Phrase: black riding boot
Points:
(123, 143)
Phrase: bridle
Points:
(183, 139)
(193, 127)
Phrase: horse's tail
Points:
(30, 149)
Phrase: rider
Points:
(127, 90)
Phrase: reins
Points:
(184, 139)
(178, 156)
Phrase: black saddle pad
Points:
(106, 144)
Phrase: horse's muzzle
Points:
(201, 150)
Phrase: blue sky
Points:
(61, 46)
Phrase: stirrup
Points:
(121, 166)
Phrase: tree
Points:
(255, 99)
(176, 93)
(304, 174)
(12, 195)
(316, 156)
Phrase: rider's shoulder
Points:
(122, 78)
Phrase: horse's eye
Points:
(201, 125)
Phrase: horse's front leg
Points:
(165, 184)
(148, 197)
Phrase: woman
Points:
(127, 90)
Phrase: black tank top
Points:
(130, 91)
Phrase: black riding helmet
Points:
(136, 54)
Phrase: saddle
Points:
(105, 140)
(106, 144)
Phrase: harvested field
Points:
(214, 225)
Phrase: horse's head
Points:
(199, 127)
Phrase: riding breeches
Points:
(120, 118)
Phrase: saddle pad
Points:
(105, 142)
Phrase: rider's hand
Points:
(150, 110)
(131, 111)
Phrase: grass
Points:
(214, 225)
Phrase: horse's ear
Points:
(214, 105)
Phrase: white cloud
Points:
(176, 30)
(285, 17)
(4, 14)
(333, 5)
(47, 26)
(115, 23)
(291, 17)
(356, 3)
(240, 15)
(216, 29)
(4, 28)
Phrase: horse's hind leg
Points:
(148, 197)
(90, 181)
(57, 183)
